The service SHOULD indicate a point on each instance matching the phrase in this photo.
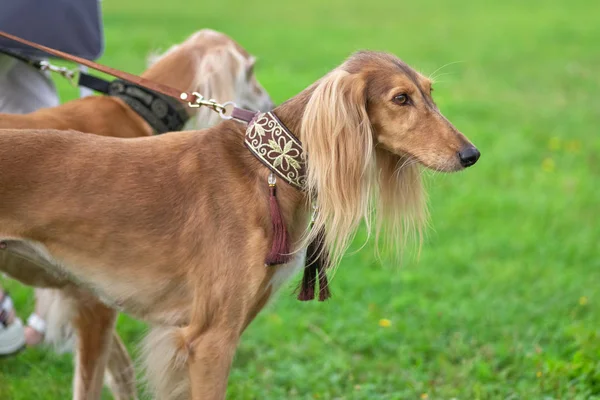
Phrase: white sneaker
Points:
(12, 338)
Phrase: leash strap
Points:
(160, 111)
(193, 99)
(243, 115)
(83, 79)
(157, 87)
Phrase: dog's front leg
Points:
(210, 358)
(94, 323)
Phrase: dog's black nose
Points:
(468, 156)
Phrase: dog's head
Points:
(214, 65)
(402, 116)
(365, 127)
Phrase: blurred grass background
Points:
(503, 302)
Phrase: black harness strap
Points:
(163, 113)
(91, 82)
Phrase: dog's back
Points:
(110, 191)
(98, 115)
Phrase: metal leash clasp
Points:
(200, 101)
(70, 75)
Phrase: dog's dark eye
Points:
(401, 99)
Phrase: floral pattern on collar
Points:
(277, 148)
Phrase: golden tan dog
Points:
(174, 229)
(208, 62)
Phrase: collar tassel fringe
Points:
(280, 247)
(316, 262)
(316, 254)
(269, 140)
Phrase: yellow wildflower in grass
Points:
(385, 323)
(548, 164)
(554, 144)
(573, 146)
(275, 318)
(424, 396)
(538, 374)
(583, 300)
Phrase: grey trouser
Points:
(24, 89)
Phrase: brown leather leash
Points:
(193, 99)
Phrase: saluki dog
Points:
(175, 229)
(208, 62)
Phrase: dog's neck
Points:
(228, 137)
(282, 129)
(176, 69)
(270, 141)
(290, 113)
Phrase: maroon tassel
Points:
(307, 288)
(280, 248)
(316, 262)
(324, 292)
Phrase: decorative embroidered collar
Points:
(162, 113)
(277, 148)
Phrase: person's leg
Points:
(24, 89)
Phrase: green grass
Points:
(503, 302)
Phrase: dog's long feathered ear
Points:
(338, 140)
(214, 79)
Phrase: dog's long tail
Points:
(165, 358)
